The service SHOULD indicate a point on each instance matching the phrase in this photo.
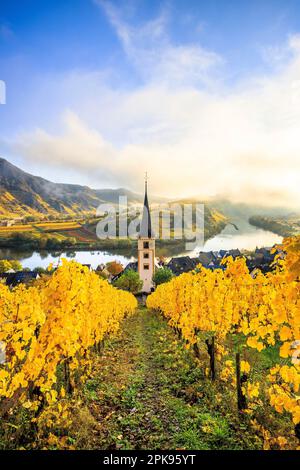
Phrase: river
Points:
(246, 237)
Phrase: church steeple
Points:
(146, 226)
(146, 246)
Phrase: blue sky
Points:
(150, 82)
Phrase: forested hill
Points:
(24, 194)
(284, 226)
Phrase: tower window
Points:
(146, 255)
(146, 245)
(146, 267)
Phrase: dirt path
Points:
(147, 393)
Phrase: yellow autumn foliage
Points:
(60, 321)
(264, 308)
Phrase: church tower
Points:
(146, 247)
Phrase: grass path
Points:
(148, 393)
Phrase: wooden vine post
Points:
(240, 379)
(211, 351)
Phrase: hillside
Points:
(284, 226)
(22, 194)
(239, 213)
(214, 219)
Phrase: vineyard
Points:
(51, 332)
(231, 312)
(211, 363)
(45, 227)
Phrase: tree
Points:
(30, 218)
(104, 274)
(6, 265)
(162, 275)
(130, 281)
(40, 270)
(114, 268)
(16, 265)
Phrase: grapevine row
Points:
(232, 310)
(51, 331)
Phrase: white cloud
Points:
(243, 143)
(294, 42)
(279, 54)
(155, 57)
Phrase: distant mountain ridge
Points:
(24, 194)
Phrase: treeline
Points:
(36, 241)
(280, 227)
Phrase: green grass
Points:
(149, 394)
(147, 391)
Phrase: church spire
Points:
(146, 226)
(146, 246)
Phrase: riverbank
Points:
(283, 226)
(247, 237)
(26, 240)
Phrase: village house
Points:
(208, 258)
(146, 264)
(182, 264)
(132, 266)
(20, 277)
